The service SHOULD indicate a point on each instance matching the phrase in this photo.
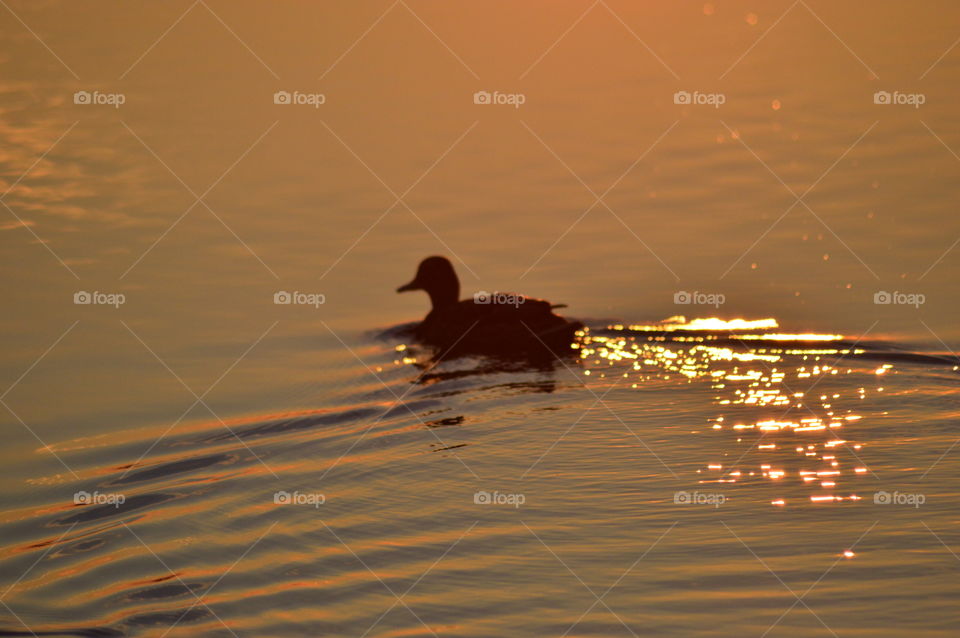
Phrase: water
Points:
(620, 473)
(668, 466)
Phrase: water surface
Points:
(697, 483)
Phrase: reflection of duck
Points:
(498, 324)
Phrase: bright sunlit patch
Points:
(713, 324)
(806, 336)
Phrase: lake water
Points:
(184, 456)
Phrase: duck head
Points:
(435, 275)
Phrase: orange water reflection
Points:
(776, 420)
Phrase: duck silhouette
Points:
(496, 324)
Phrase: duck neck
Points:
(441, 298)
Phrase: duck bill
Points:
(413, 285)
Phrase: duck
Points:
(496, 324)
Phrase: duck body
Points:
(528, 327)
(498, 324)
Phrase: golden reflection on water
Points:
(801, 431)
(712, 323)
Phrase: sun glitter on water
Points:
(776, 420)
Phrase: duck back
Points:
(523, 327)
